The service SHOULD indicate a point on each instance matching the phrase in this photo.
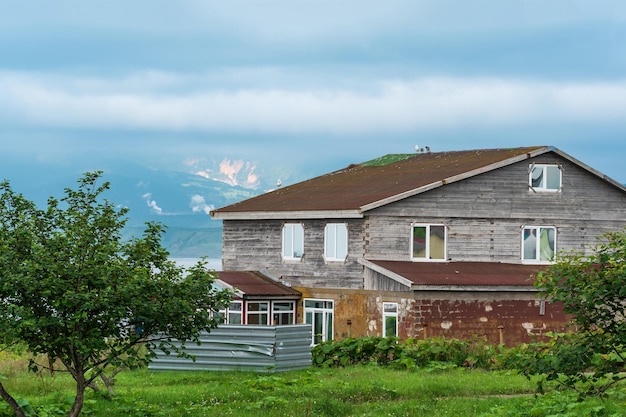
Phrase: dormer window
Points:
(293, 241)
(544, 177)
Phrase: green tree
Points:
(72, 289)
(592, 288)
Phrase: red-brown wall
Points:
(501, 317)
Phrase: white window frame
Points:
(390, 310)
(293, 241)
(537, 259)
(327, 312)
(336, 243)
(291, 313)
(545, 169)
(259, 312)
(427, 257)
(229, 312)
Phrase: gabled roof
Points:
(351, 191)
(458, 276)
(255, 284)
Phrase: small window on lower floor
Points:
(319, 314)
(283, 312)
(232, 314)
(257, 312)
(538, 244)
(390, 319)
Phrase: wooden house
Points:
(426, 244)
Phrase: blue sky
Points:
(308, 86)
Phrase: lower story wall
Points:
(500, 317)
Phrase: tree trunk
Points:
(11, 401)
(79, 400)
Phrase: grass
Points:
(352, 391)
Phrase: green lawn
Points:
(353, 391)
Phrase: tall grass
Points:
(354, 391)
(363, 390)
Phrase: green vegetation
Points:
(363, 390)
(406, 354)
(443, 382)
(73, 292)
(388, 159)
(593, 289)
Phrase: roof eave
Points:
(287, 215)
(384, 271)
(474, 288)
(589, 169)
(236, 291)
(254, 297)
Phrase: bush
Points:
(574, 361)
(407, 354)
(353, 351)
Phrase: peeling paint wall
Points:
(509, 320)
(501, 317)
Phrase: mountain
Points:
(179, 200)
(182, 202)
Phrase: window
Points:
(293, 241)
(428, 242)
(319, 314)
(232, 314)
(390, 319)
(336, 242)
(538, 244)
(257, 312)
(544, 177)
(283, 312)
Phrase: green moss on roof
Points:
(387, 159)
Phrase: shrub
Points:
(406, 354)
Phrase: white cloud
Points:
(386, 105)
(152, 203)
(198, 204)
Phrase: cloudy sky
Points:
(310, 85)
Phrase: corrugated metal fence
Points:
(245, 347)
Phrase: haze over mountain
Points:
(179, 198)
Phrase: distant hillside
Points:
(179, 200)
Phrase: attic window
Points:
(544, 177)
(293, 241)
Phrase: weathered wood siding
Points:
(373, 280)
(485, 214)
(257, 245)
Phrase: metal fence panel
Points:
(244, 347)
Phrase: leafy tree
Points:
(593, 289)
(72, 289)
